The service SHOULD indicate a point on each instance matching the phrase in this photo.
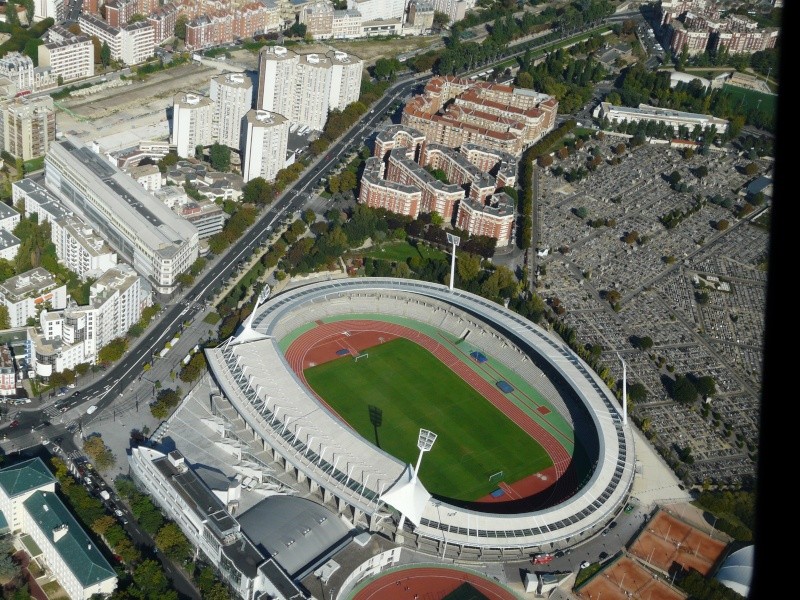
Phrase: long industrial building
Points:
(158, 243)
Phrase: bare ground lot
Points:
(121, 117)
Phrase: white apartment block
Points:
(77, 333)
(159, 244)
(31, 506)
(27, 126)
(37, 200)
(9, 245)
(303, 88)
(43, 9)
(312, 88)
(137, 43)
(192, 119)
(373, 10)
(131, 44)
(232, 95)
(9, 217)
(80, 249)
(25, 293)
(346, 71)
(147, 176)
(69, 56)
(266, 137)
(276, 74)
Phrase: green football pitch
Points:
(399, 388)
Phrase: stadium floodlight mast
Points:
(424, 443)
(455, 240)
(624, 391)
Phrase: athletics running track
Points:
(320, 344)
(428, 583)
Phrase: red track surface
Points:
(321, 343)
(429, 583)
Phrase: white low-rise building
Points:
(9, 245)
(26, 293)
(80, 249)
(9, 217)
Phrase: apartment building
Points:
(131, 43)
(698, 26)
(204, 515)
(453, 111)
(318, 19)
(346, 24)
(159, 244)
(27, 126)
(303, 88)
(420, 15)
(8, 372)
(26, 293)
(397, 178)
(9, 217)
(21, 74)
(265, 140)
(76, 334)
(31, 506)
(163, 20)
(399, 136)
(192, 123)
(232, 95)
(207, 216)
(38, 201)
(9, 245)
(378, 192)
(69, 56)
(492, 218)
(455, 9)
(80, 249)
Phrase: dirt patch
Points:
(625, 578)
(371, 50)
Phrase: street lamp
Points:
(455, 240)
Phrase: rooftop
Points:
(25, 476)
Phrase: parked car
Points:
(118, 512)
(14, 423)
(585, 564)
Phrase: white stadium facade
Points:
(268, 408)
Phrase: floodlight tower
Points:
(424, 443)
(455, 240)
(624, 391)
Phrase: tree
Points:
(706, 386)
(440, 20)
(581, 212)
(637, 392)
(258, 191)
(750, 169)
(180, 26)
(5, 319)
(173, 542)
(468, 266)
(220, 157)
(105, 54)
(642, 343)
(683, 390)
(101, 455)
(722, 225)
(701, 171)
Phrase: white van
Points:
(91, 409)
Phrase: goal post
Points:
(362, 355)
(495, 477)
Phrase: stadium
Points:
(531, 450)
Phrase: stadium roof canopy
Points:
(736, 571)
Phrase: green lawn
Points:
(402, 251)
(403, 387)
